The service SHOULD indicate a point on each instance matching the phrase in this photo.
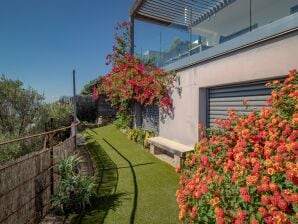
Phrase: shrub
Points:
(74, 191)
(148, 134)
(140, 136)
(132, 80)
(246, 171)
(8, 151)
(123, 120)
(60, 114)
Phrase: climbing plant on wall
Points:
(132, 80)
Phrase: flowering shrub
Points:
(132, 80)
(247, 170)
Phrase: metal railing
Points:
(40, 134)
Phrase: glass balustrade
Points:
(164, 45)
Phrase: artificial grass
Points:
(133, 185)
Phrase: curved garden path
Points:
(133, 185)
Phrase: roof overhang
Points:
(180, 13)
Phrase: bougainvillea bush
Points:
(132, 80)
(246, 170)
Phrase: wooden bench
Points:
(169, 151)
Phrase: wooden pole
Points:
(51, 146)
(74, 106)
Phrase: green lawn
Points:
(133, 185)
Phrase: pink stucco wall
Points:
(272, 59)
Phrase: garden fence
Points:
(27, 183)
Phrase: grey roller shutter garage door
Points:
(221, 99)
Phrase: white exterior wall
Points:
(271, 59)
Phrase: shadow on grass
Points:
(99, 209)
(107, 198)
(107, 181)
(135, 199)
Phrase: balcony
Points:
(194, 30)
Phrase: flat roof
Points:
(182, 13)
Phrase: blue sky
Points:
(42, 41)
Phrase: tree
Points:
(61, 114)
(22, 113)
(20, 107)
